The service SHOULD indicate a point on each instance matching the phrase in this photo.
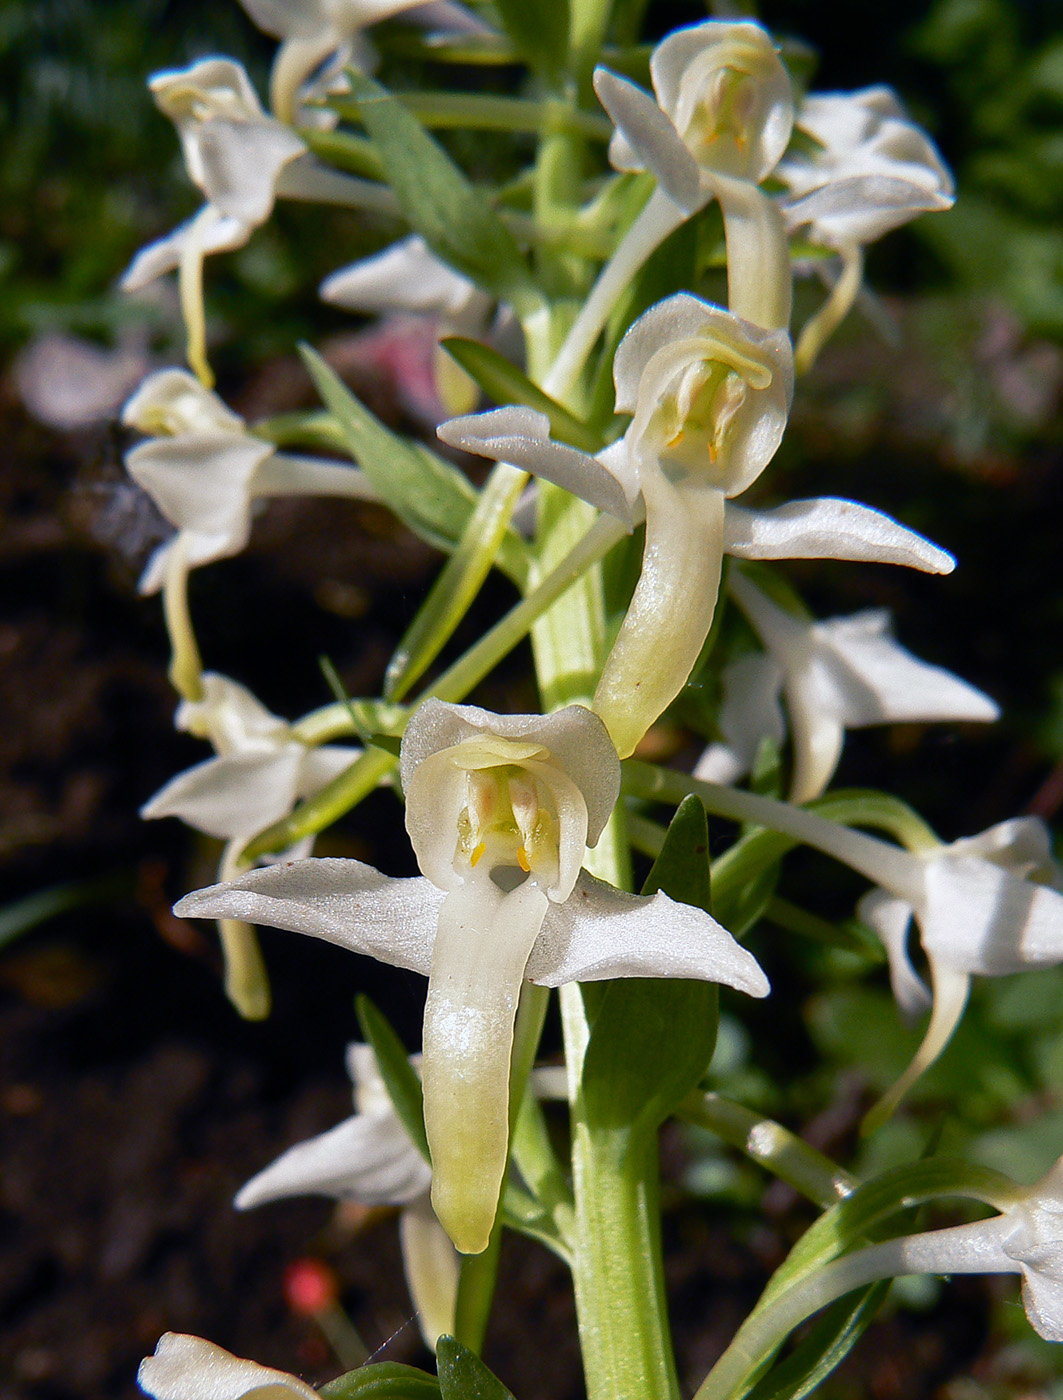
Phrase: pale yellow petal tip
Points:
(246, 979)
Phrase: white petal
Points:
(872, 679)
(829, 528)
(173, 401)
(521, 436)
(341, 901)
(749, 707)
(232, 796)
(862, 208)
(891, 919)
(189, 1368)
(719, 764)
(164, 255)
(981, 918)
(1022, 844)
(652, 137)
(405, 277)
(241, 163)
(201, 481)
(320, 766)
(601, 932)
(369, 1159)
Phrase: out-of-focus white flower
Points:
(843, 673)
(260, 770)
(873, 170)
(313, 31)
(408, 277)
(500, 810)
(370, 1158)
(204, 470)
(985, 906)
(709, 395)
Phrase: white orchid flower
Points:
(843, 673)
(872, 171)
(985, 906)
(313, 31)
(370, 1158)
(242, 160)
(204, 470)
(408, 277)
(708, 394)
(500, 810)
(260, 770)
(189, 1368)
(719, 124)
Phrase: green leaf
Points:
(387, 1380)
(400, 1080)
(446, 209)
(429, 495)
(347, 152)
(390, 743)
(505, 383)
(652, 1039)
(828, 1343)
(463, 1376)
(539, 32)
(21, 915)
(460, 581)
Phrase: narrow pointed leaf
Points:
(429, 495)
(402, 1084)
(386, 1380)
(446, 209)
(463, 1376)
(828, 1343)
(505, 383)
(652, 1039)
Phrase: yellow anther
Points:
(477, 854)
(522, 860)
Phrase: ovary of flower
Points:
(843, 673)
(709, 395)
(370, 1158)
(189, 1368)
(260, 770)
(204, 470)
(500, 810)
(408, 277)
(312, 31)
(873, 170)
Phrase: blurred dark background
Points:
(133, 1100)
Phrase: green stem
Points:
(486, 113)
(771, 1145)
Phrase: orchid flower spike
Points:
(844, 673)
(204, 470)
(709, 396)
(500, 810)
(189, 1368)
(408, 277)
(242, 160)
(872, 171)
(260, 771)
(370, 1158)
(319, 38)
